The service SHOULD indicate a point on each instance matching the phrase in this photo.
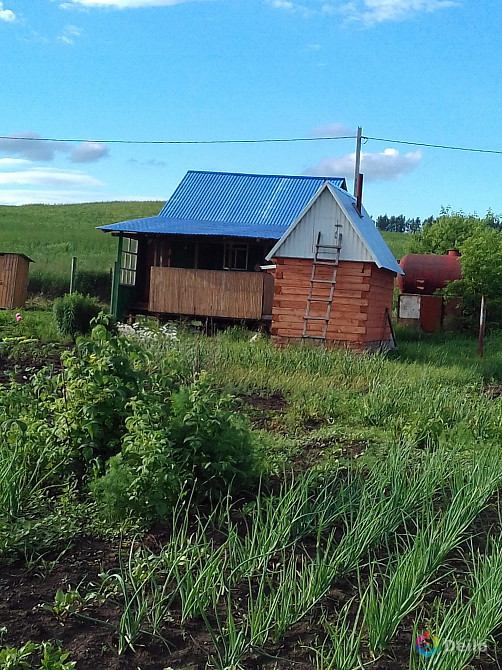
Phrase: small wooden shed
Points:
(13, 280)
(334, 276)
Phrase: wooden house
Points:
(13, 280)
(202, 255)
(334, 276)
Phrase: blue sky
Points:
(414, 70)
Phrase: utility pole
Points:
(358, 159)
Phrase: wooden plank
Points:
(292, 301)
(21, 282)
(8, 280)
(236, 295)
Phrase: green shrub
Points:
(99, 377)
(89, 282)
(191, 440)
(73, 313)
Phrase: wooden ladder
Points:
(316, 263)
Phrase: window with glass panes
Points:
(129, 261)
(235, 256)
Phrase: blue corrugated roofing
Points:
(157, 224)
(243, 205)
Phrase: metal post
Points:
(482, 325)
(73, 274)
(114, 299)
(358, 159)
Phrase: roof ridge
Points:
(261, 174)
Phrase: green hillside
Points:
(398, 243)
(52, 234)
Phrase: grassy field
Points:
(52, 234)
(368, 513)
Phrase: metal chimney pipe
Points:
(359, 196)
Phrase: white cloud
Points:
(376, 11)
(32, 147)
(123, 4)
(12, 163)
(389, 164)
(43, 176)
(29, 145)
(331, 130)
(6, 14)
(293, 7)
(368, 12)
(69, 34)
(87, 152)
(281, 4)
(153, 162)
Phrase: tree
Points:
(382, 222)
(481, 261)
(448, 231)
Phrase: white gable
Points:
(327, 213)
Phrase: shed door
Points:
(8, 264)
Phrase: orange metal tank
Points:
(425, 273)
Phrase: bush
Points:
(73, 313)
(190, 440)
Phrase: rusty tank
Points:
(426, 273)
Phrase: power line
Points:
(258, 141)
(434, 146)
(261, 141)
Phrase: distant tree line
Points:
(401, 224)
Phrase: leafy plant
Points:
(34, 656)
(73, 313)
(173, 442)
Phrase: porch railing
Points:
(232, 295)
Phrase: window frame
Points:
(129, 261)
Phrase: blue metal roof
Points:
(233, 204)
(159, 225)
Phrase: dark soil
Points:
(23, 594)
(264, 409)
(21, 368)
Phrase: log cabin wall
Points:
(357, 318)
(379, 299)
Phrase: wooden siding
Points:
(324, 215)
(357, 318)
(13, 280)
(232, 295)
